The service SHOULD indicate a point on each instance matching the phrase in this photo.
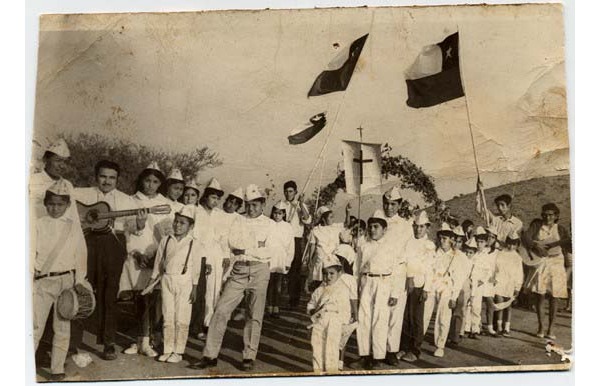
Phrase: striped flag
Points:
(302, 134)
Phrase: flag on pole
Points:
(339, 71)
(362, 167)
(434, 77)
(304, 133)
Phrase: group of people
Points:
(192, 268)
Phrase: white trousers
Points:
(373, 315)
(396, 321)
(45, 294)
(214, 282)
(176, 310)
(325, 341)
(443, 316)
(473, 315)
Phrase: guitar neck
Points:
(120, 213)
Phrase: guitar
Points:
(98, 217)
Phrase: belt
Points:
(248, 263)
(377, 274)
(51, 274)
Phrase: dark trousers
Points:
(412, 328)
(274, 289)
(106, 254)
(148, 313)
(457, 317)
(295, 279)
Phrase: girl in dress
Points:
(509, 279)
(279, 265)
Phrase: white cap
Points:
(252, 193)
(331, 261)
(346, 251)
(458, 231)
(191, 183)
(188, 211)
(492, 229)
(471, 243)
(422, 218)
(280, 205)
(393, 194)
(60, 187)
(445, 228)
(321, 211)
(479, 231)
(60, 148)
(175, 175)
(153, 165)
(378, 214)
(214, 184)
(239, 193)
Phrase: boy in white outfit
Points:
(449, 272)
(177, 266)
(377, 269)
(331, 307)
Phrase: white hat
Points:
(458, 231)
(378, 214)
(479, 231)
(331, 261)
(492, 229)
(393, 194)
(153, 165)
(188, 211)
(191, 183)
(239, 193)
(214, 185)
(175, 175)
(445, 229)
(280, 205)
(252, 193)
(471, 243)
(321, 211)
(422, 218)
(59, 148)
(60, 187)
(346, 251)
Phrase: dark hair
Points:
(164, 188)
(453, 222)
(505, 198)
(465, 225)
(510, 241)
(145, 173)
(362, 225)
(49, 195)
(186, 188)
(208, 191)
(551, 206)
(105, 164)
(273, 209)
(380, 221)
(48, 154)
(290, 184)
(236, 199)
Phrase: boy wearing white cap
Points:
(470, 248)
(449, 271)
(456, 321)
(208, 232)
(60, 263)
(377, 269)
(399, 231)
(177, 266)
(419, 253)
(251, 240)
(331, 306)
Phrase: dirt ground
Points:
(285, 349)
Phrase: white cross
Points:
(449, 53)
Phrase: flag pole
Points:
(360, 129)
(484, 204)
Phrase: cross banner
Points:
(362, 165)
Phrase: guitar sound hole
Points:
(92, 216)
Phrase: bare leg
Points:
(552, 315)
(539, 304)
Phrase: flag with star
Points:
(434, 77)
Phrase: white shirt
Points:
(285, 246)
(509, 272)
(210, 233)
(335, 299)
(38, 185)
(256, 236)
(293, 215)
(484, 266)
(157, 225)
(399, 230)
(547, 235)
(380, 257)
(450, 269)
(116, 199)
(326, 238)
(505, 226)
(419, 256)
(66, 235)
(173, 261)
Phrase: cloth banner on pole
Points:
(362, 166)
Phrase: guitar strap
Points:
(57, 249)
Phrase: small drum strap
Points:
(57, 249)
(187, 258)
(162, 263)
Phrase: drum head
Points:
(67, 304)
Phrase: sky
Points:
(237, 81)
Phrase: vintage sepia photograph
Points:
(300, 192)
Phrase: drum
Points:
(72, 305)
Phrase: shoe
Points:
(82, 359)
(506, 333)
(341, 365)
(164, 357)
(439, 352)
(409, 357)
(204, 363)
(540, 334)
(148, 351)
(174, 358)
(400, 354)
(376, 363)
(238, 316)
(133, 349)
(109, 353)
(473, 335)
(57, 377)
(550, 336)
(201, 336)
(391, 359)
(247, 364)
(366, 363)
